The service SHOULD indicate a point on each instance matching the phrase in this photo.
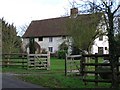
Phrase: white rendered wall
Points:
(58, 40)
(55, 43)
(97, 43)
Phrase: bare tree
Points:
(23, 29)
(110, 8)
(84, 31)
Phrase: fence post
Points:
(65, 64)
(48, 61)
(96, 66)
(28, 60)
(82, 68)
(22, 55)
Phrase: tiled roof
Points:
(51, 27)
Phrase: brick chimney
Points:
(74, 12)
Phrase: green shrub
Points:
(61, 54)
(63, 46)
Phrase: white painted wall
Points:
(97, 43)
(45, 43)
(55, 43)
(59, 40)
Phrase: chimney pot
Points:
(74, 12)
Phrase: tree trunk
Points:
(112, 51)
(31, 46)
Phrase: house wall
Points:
(56, 41)
(101, 43)
(59, 40)
(97, 43)
(45, 44)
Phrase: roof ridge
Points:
(60, 17)
(49, 19)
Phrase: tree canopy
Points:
(84, 30)
(11, 43)
(111, 9)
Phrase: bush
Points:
(61, 54)
(63, 46)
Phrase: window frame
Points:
(50, 39)
(100, 50)
(50, 49)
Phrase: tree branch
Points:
(105, 4)
(116, 9)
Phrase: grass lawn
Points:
(53, 78)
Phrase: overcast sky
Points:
(21, 12)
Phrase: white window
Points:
(50, 49)
(50, 39)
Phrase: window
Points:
(50, 49)
(100, 50)
(63, 37)
(100, 38)
(40, 39)
(50, 39)
(105, 48)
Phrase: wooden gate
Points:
(72, 65)
(39, 61)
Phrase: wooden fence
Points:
(89, 65)
(14, 59)
(28, 61)
(96, 64)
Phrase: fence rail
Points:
(89, 65)
(28, 61)
(14, 59)
(97, 73)
(38, 61)
(72, 64)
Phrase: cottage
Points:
(49, 34)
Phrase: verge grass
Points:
(53, 78)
